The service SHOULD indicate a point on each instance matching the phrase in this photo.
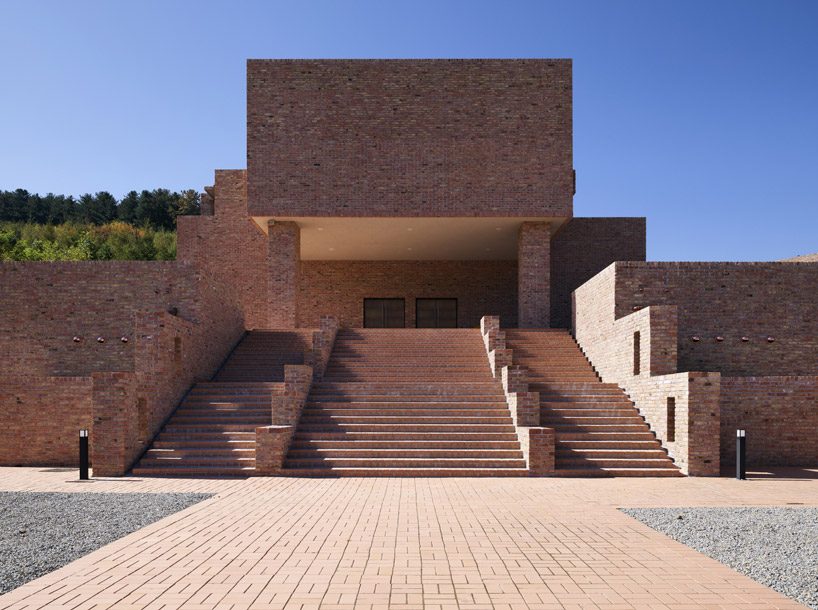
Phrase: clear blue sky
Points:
(702, 116)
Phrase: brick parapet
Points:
(323, 341)
(523, 405)
(539, 448)
(287, 407)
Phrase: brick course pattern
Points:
(780, 415)
(583, 247)
(339, 288)
(410, 137)
(732, 300)
(43, 306)
(534, 275)
(283, 264)
(230, 246)
(122, 390)
(41, 417)
(608, 343)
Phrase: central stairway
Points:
(599, 431)
(406, 402)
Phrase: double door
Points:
(391, 313)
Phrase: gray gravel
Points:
(40, 532)
(777, 547)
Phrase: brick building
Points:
(436, 197)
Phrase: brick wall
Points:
(583, 247)
(44, 305)
(172, 354)
(230, 246)
(41, 417)
(52, 386)
(409, 137)
(339, 288)
(608, 343)
(732, 300)
(780, 415)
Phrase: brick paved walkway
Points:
(406, 543)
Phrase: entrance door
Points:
(384, 313)
(436, 313)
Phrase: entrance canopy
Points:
(395, 239)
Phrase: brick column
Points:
(534, 275)
(283, 262)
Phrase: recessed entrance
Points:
(384, 313)
(436, 313)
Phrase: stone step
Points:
(205, 443)
(200, 451)
(180, 470)
(455, 435)
(566, 455)
(313, 453)
(404, 462)
(581, 445)
(411, 445)
(402, 411)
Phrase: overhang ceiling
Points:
(408, 238)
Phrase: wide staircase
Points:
(599, 431)
(406, 402)
(212, 433)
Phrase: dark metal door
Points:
(436, 313)
(384, 313)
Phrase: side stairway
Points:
(212, 433)
(406, 402)
(599, 431)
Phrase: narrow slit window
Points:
(637, 353)
(670, 435)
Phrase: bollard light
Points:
(83, 455)
(741, 454)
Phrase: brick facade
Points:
(732, 301)
(43, 306)
(581, 248)
(230, 246)
(41, 417)
(780, 415)
(669, 304)
(121, 390)
(652, 380)
(701, 348)
(410, 137)
(339, 288)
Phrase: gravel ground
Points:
(777, 547)
(40, 532)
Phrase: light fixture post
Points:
(83, 455)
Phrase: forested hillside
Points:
(140, 226)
